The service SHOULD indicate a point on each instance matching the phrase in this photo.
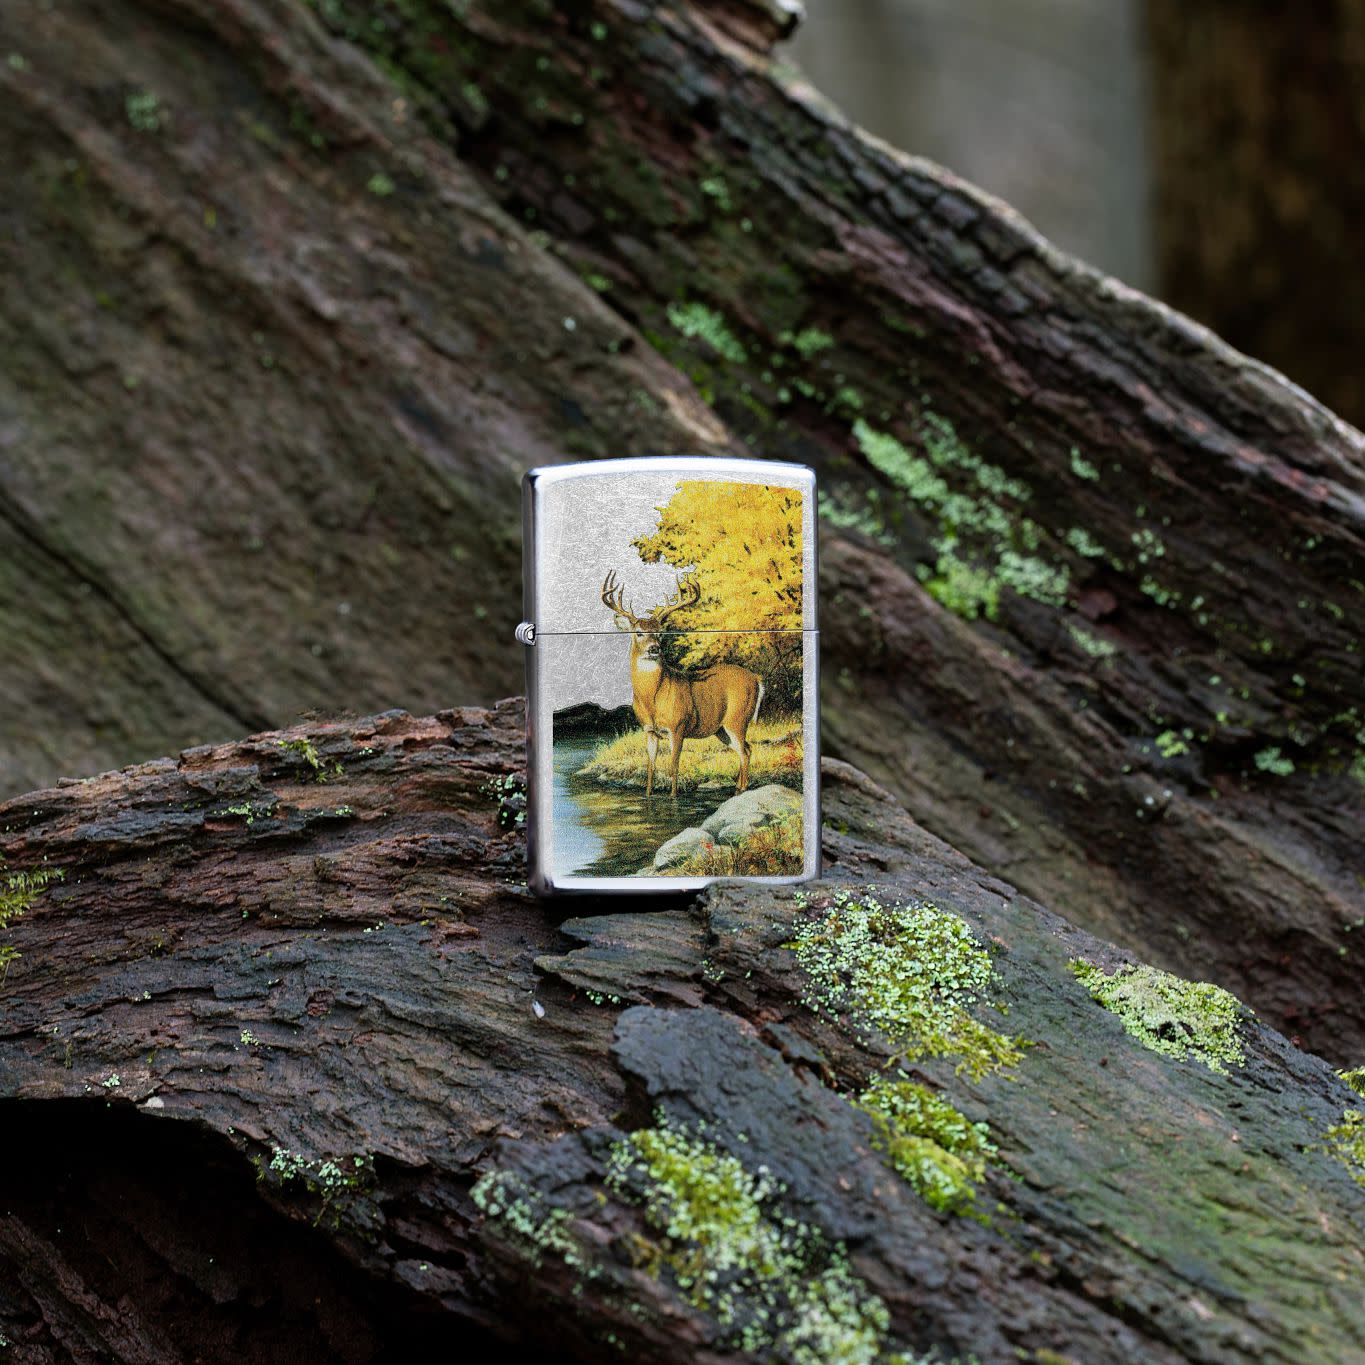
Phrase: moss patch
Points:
(144, 111)
(1272, 761)
(1004, 543)
(697, 320)
(1167, 1014)
(527, 1218)
(910, 971)
(965, 589)
(510, 790)
(336, 1181)
(940, 1153)
(17, 892)
(776, 1286)
(302, 747)
(1346, 1142)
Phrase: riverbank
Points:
(706, 764)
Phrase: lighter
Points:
(672, 674)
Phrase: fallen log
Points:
(293, 1067)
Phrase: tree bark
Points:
(294, 1068)
(294, 293)
(1258, 140)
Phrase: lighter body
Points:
(672, 673)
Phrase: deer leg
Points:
(741, 746)
(651, 753)
(675, 741)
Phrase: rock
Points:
(731, 823)
(681, 847)
(589, 718)
(742, 815)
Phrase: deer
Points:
(721, 700)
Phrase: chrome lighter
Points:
(672, 668)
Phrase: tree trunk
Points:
(295, 1069)
(294, 293)
(1259, 162)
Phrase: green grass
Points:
(776, 850)
(776, 757)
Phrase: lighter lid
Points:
(636, 516)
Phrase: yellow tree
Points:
(741, 544)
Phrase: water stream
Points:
(612, 831)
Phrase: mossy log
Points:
(293, 293)
(294, 1068)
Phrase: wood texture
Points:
(293, 293)
(247, 973)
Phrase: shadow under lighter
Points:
(672, 674)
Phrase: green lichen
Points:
(696, 320)
(1004, 542)
(714, 187)
(1355, 1079)
(912, 972)
(1159, 593)
(965, 589)
(1082, 468)
(476, 100)
(1171, 744)
(337, 1181)
(935, 1148)
(1167, 1014)
(808, 342)
(304, 748)
(1092, 645)
(947, 450)
(143, 109)
(1271, 760)
(380, 185)
(1148, 544)
(251, 811)
(1084, 543)
(1030, 577)
(528, 1219)
(18, 891)
(1346, 1142)
(840, 509)
(775, 1285)
(510, 790)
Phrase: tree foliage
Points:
(742, 545)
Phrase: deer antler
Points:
(612, 596)
(688, 594)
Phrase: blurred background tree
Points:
(1208, 153)
(1258, 147)
(1042, 102)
